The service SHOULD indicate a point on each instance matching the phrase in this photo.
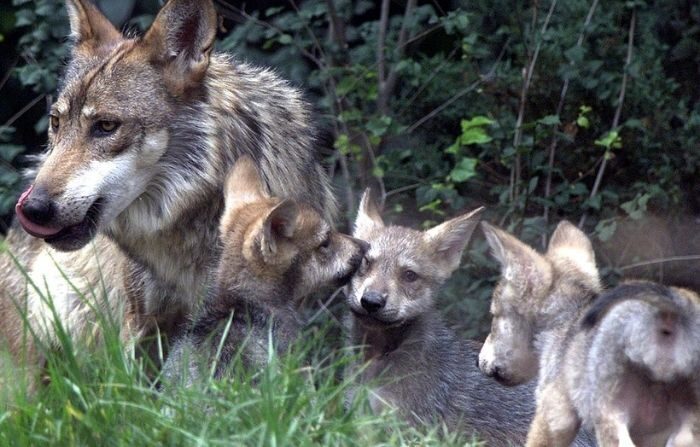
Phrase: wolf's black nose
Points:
(38, 207)
(372, 301)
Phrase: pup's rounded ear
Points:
(90, 30)
(182, 38)
(243, 184)
(449, 239)
(280, 224)
(368, 218)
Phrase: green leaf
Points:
(477, 121)
(605, 229)
(9, 151)
(611, 140)
(464, 170)
(549, 120)
(582, 122)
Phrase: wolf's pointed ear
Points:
(182, 37)
(520, 264)
(243, 184)
(368, 217)
(90, 30)
(571, 245)
(280, 224)
(448, 240)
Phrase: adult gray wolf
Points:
(124, 207)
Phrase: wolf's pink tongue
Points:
(30, 227)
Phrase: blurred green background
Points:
(539, 110)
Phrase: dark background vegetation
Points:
(540, 110)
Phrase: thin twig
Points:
(618, 112)
(460, 93)
(324, 306)
(381, 43)
(390, 81)
(560, 108)
(23, 110)
(660, 261)
(527, 78)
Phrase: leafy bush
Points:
(541, 110)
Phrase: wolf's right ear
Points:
(520, 264)
(181, 38)
(280, 224)
(90, 30)
(368, 217)
(243, 184)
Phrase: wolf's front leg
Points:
(556, 421)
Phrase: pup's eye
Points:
(54, 121)
(323, 246)
(106, 127)
(364, 266)
(410, 276)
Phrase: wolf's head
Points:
(109, 125)
(535, 291)
(404, 268)
(284, 245)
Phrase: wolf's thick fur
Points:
(275, 252)
(409, 356)
(624, 364)
(142, 135)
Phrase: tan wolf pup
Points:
(409, 357)
(141, 136)
(275, 252)
(624, 363)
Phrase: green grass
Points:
(102, 394)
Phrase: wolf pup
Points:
(409, 357)
(275, 252)
(141, 136)
(624, 364)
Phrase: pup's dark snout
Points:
(38, 206)
(373, 301)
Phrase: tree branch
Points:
(618, 112)
(555, 138)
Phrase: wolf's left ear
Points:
(449, 239)
(571, 244)
(243, 184)
(368, 217)
(280, 224)
(90, 30)
(182, 37)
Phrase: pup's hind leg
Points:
(611, 429)
(686, 436)
(556, 421)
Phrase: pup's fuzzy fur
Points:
(409, 357)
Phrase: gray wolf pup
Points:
(141, 137)
(275, 252)
(409, 357)
(624, 363)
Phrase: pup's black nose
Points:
(38, 207)
(364, 246)
(372, 301)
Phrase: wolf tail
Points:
(656, 295)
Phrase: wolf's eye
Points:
(410, 276)
(106, 127)
(54, 122)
